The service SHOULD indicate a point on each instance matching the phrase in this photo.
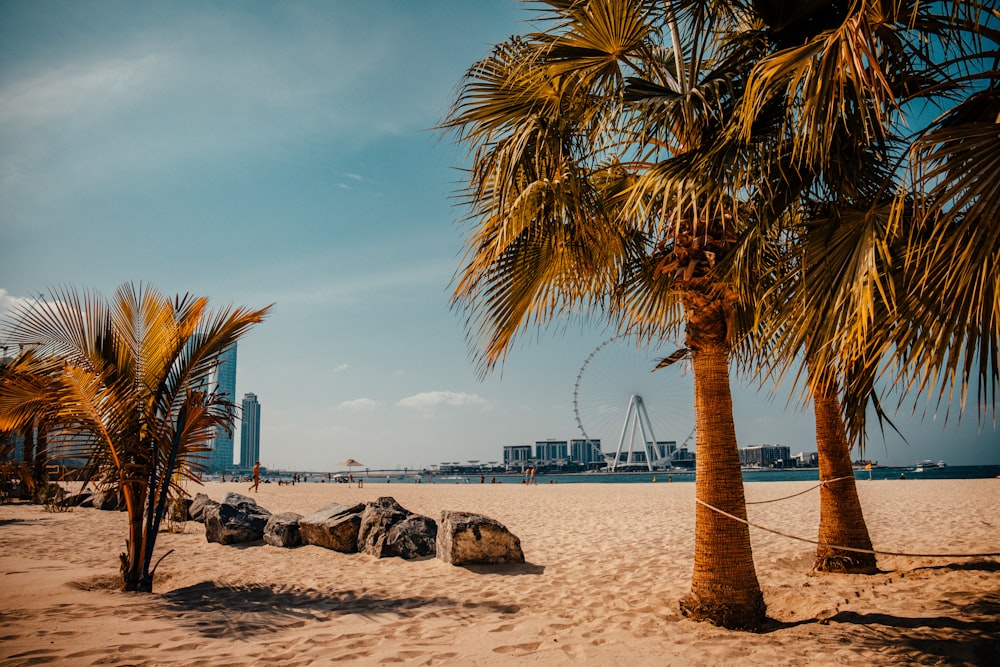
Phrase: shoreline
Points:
(606, 566)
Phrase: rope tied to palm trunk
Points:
(822, 483)
(841, 548)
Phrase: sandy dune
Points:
(606, 567)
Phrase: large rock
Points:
(464, 538)
(376, 520)
(199, 504)
(282, 530)
(83, 499)
(107, 499)
(239, 500)
(333, 527)
(179, 509)
(413, 537)
(388, 529)
(235, 521)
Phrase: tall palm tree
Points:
(569, 187)
(125, 383)
(845, 73)
(950, 329)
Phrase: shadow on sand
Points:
(506, 569)
(973, 639)
(242, 611)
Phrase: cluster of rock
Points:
(101, 499)
(382, 528)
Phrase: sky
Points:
(285, 153)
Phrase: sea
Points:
(749, 475)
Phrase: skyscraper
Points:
(250, 431)
(225, 384)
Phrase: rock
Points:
(464, 538)
(282, 530)
(179, 509)
(238, 500)
(376, 520)
(388, 529)
(413, 537)
(82, 499)
(333, 527)
(235, 522)
(199, 504)
(107, 499)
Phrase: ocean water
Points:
(767, 475)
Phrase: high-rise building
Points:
(516, 456)
(250, 431)
(221, 457)
(551, 450)
(765, 456)
(586, 451)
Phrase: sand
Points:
(607, 564)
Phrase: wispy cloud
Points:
(432, 399)
(78, 88)
(359, 405)
(9, 302)
(341, 368)
(350, 287)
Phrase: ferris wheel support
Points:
(637, 416)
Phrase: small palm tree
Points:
(125, 384)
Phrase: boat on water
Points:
(928, 463)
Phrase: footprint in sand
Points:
(518, 649)
(506, 627)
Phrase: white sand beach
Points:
(607, 564)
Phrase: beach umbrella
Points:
(351, 463)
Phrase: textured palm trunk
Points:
(40, 468)
(841, 521)
(28, 462)
(724, 587)
(131, 559)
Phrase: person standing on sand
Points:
(256, 477)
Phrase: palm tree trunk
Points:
(724, 587)
(28, 462)
(131, 559)
(159, 489)
(841, 521)
(40, 469)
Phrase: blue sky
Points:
(282, 152)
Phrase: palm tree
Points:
(570, 188)
(125, 383)
(853, 302)
(949, 333)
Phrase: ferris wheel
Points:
(638, 397)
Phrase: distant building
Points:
(551, 450)
(586, 452)
(806, 459)
(516, 456)
(683, 458)
(250, 431)
(665, 449)
(766, 456)
(221, 456)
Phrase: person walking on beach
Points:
(256, 477)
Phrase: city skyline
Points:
(286, 153)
